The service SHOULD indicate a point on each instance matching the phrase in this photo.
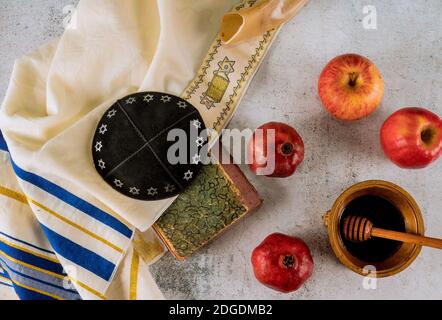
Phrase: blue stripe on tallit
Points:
(31, 277)
(27, 272)
(68, 197)
(31, 259)
(61, 245)
(4, 275)
(80, 255)
(26, 294)
(34, 282)
(3, 145)
(73, 200)
(6, 284)
(26, 243)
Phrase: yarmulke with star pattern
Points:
(130, 147)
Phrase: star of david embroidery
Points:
(196, 159)
(131, 100)
(200, 142)
(152, 192)
(226, 66)
(103, 129)
(111, 113)
(188, 175)
(182, 105)
(207, 102)
(196, 124)
(169, 188)
(98, 146)
(148, 98)
(118, 183)
(102, 164)
(166, 99)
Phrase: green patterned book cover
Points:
(219, 197)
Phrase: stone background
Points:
(406, 47)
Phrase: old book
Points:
(219, 197)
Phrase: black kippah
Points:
(130, 147)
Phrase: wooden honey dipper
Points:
(359, 229)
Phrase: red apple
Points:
(282, 263)
(351, 87)
(278, 157)
(412, 137)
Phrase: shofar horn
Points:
(251, 22)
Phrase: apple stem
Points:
(427, 136)
(288, 261)
(287, 149)
(353, 79)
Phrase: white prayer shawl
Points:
(54, 101)
(57, 215)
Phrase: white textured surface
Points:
(406, 47)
